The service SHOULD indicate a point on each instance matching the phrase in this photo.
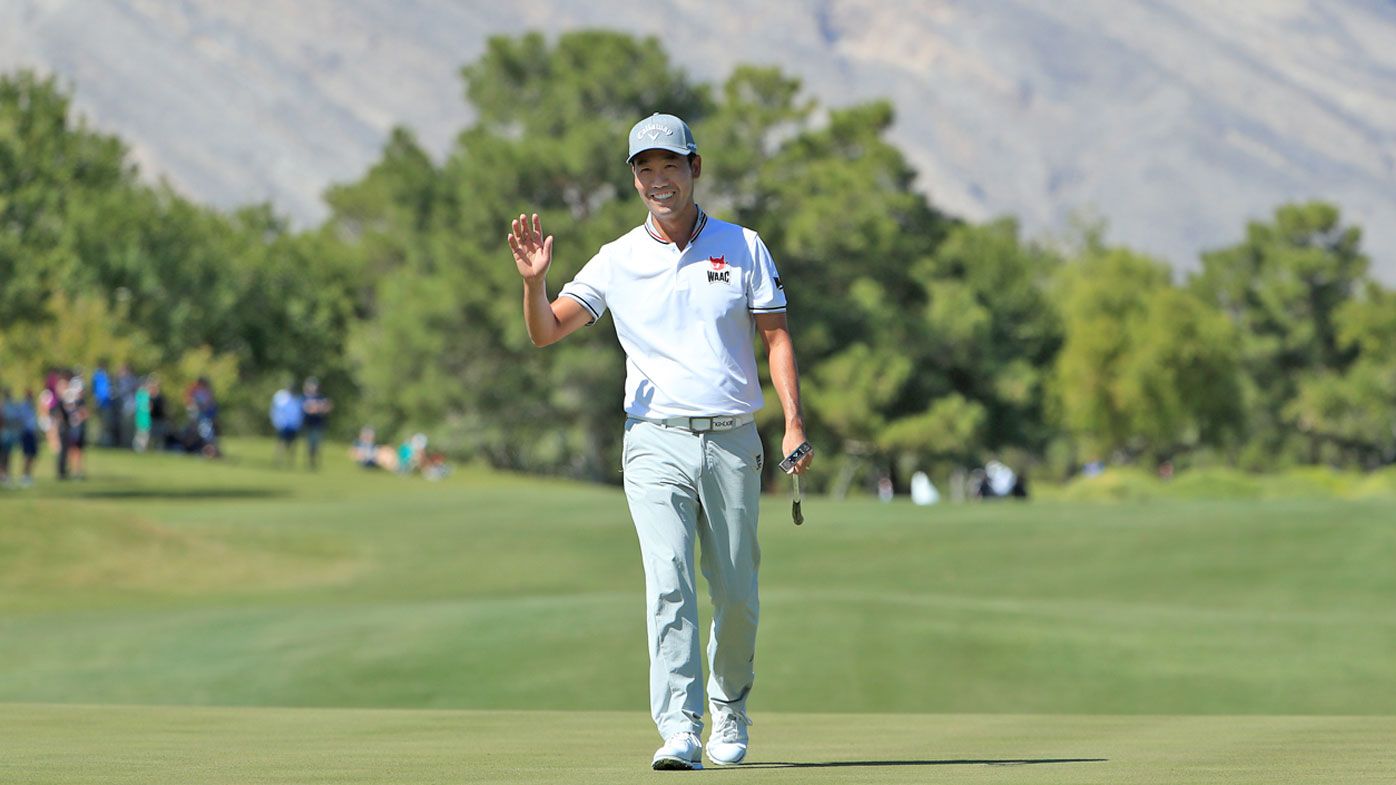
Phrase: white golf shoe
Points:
(728, 741)
(680, 751)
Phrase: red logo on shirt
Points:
(718, 262)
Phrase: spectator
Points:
(203, 413)
(363, 449)
(411, 454)
(59, 429)
(48, 412)
(370, 455)
(72, 416)
(28, 437)
(287, 416)
(142, 419)
(317, 409)
(434, 466)
(9, 433)
(106, 408)
(1001, 479)
(159, 418)
(125, 404)
(923, 491)
(19, 427)
(998, 481)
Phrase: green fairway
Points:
(179, 581)
(961, 643)
(78, 745)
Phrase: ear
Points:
(697, 166)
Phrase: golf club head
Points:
(788, 465)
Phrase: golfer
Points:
(686, 291)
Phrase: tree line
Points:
(925, 341)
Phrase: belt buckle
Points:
(693, 424)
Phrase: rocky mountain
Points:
(1175, 120)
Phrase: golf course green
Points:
(175, 620)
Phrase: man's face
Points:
(665, 180)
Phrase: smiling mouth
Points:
(663, 197)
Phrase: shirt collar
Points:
(697, 227)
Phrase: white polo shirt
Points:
(684, 318)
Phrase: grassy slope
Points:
(173, 581)
(78, 745)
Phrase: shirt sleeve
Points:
(765, 293)
(589, 287)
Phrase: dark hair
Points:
(690, 157)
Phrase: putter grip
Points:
(795, 514)
(794, 457)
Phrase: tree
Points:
(1353, 413)
(989, 327)
(1145, 368)
(50, 167)
(165, 281)
(444, 344)
(838, 203)
(443, 348)
(1282, 288)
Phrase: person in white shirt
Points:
(686, 291)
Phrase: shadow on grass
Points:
(181, 494)
(876, 763)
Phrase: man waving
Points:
(686, 292)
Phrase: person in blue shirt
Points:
(19, 427)
(287, 416)
(106, 406)
(9, 434)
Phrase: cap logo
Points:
(654, 131)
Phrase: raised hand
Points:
(533, 253)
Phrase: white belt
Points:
(722, 422)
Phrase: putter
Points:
(795, 514)
(788, 466)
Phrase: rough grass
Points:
(1118, 484)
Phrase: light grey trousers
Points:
(684, 487)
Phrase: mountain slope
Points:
(1176, 121)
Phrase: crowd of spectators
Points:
(121, 410)
(409, 457)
